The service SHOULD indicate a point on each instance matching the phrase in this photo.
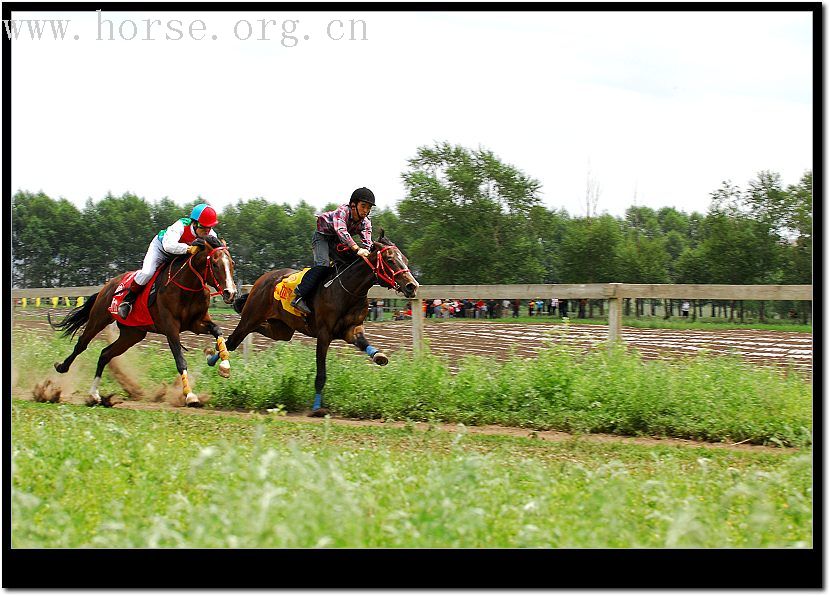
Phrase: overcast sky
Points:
(656, 107)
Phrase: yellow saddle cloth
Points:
(284, 291)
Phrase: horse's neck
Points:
(358, 278)
(181, 272)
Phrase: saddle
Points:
(284, 291)
(140, 314)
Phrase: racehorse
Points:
(181, 304)
(339, 306)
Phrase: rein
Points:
(382, 270)
(171, 277)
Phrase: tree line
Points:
(466, 218)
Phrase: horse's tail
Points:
(76, 318)
(239, 303)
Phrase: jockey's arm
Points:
(170, 241)
(339, 223)
(366, 233)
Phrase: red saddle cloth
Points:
(140, 314)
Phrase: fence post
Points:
(614, 315)
(417, 325)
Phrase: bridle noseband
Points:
(383, 270)
(203, 279)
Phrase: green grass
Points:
(92, 477)
(705, 398)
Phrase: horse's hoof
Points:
(319, 413)
(380, 358)
(60, 367)
(224, 369)
(93, 400)
(192, 401)
(107, 401)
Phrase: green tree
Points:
(549, 227)
(165, 212)
(642, 260)
(121, 230)
(47, 238)
(467, 215)
(799, 219)
(590, 250)
(643, 221)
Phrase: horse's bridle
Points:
(171, 277)
(384, 271)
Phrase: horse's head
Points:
(392, 267)
(219, 267)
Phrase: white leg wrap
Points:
(93, 391)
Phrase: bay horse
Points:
(339, 305)
(181, 304)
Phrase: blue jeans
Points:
(320, 247)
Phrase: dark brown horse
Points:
(339, 306)
(181, 304)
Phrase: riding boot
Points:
(306, 287)
(127, 304)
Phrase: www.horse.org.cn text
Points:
(287, 32)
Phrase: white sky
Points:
(664, 104)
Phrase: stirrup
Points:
(300, 304)
(124, 309)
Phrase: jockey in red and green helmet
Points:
(175, 240)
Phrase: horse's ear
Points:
(382, 234)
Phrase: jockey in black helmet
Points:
(333, 227)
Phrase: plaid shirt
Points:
(339, 223)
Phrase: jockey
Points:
(168, 243)
(333, 227)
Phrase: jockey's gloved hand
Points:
(362, 252)
(195, 246)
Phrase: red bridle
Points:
(208, 272)
(383, 269)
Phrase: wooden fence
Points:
(614, 293)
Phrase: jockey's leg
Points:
(307, 285)
(320, 250)
(126, 305)
(154, 257)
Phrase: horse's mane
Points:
(346, 257)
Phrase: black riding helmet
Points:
(363, 194)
